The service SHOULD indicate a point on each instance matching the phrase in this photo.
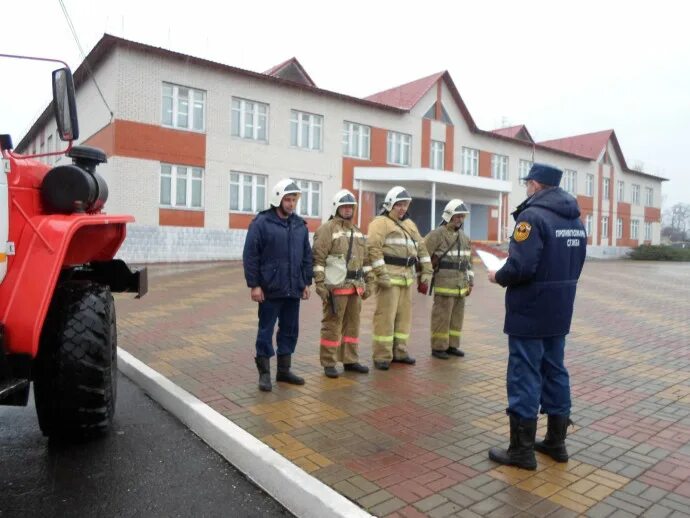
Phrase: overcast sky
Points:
(561, 68)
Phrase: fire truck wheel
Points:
(75, 379)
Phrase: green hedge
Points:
(660, 253)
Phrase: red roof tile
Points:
(517, 132)
(589, 145)
(408, 95)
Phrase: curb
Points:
(299, 492)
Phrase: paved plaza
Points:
(413, 441)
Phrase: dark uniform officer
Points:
(546, 256)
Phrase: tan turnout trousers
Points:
(447, 315)
(392, 323)
(336, 345)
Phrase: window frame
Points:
(570, 181)
(313, 122)
(635, 192)
(356, 137)
(649, 196)
(647, 230)
(523, 167)
(635, 229)
(470, 161)
(191, 108)
(607, 188)
(398, 148)
(589, 225)
(437, 152)
(240, 192)
(589, 184)
(604, 227)
(500, 167)
(620, 191)
(241, 112)
(308, 194)
(619, 228)
(189, 186)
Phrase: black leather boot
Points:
(356, 367)
(263, 364)
(284, 374)
(330, 372)
(454, 351)
(520, 453)
(553, 444)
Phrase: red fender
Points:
(48, 244)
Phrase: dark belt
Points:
(354, 275)
(400, 261)
(450, 265)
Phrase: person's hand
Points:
(258, 294)
(383, 280)
(491, 275)
(469, 290)
(423, 288)
(368, 290)
(425, 278)
(306, 293)
(322, 291)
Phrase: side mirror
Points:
(64, 104)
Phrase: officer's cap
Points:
(544, 174)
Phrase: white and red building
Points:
(193, 146)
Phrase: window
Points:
(356, 138)
(399, 148)
(604, 227)
(181, 186)
(525, 166)
(470, 161)
(634, 229)
(588, 224)
(305, 130)
(249, 119)
(310, 202)
(607, 188)
(620, 193)
(570, 181)
(247, 192)
(649, 196)
(183, 107)
(619, 228)
(647, 230)
(589, 185)
(437, 154)
(499, 167)
(635, 194)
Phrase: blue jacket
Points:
(277, 255)
(546, 256)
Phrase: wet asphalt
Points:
(149, 465)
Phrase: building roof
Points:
(408, 95)
(592, 145)
(292, 70)
(518, 132)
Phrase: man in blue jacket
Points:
(546, 256)
(278, 269)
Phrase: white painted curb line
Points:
(302, 494)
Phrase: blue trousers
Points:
(537, 377)
(286, 312)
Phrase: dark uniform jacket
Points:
(277, 256)
(546, 256)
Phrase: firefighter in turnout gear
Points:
(397, 255)
(342, 275)
(453, 279)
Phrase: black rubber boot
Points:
(381, 365)
(284, 374)
(263, 364)
(356, 367)
(454, 351)
(520, 453)
(407, 360)
(441, 355)
(553, 444)
(330, 372)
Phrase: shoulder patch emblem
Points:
(522, 230)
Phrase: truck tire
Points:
(75, 380)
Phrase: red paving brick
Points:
(417, 431)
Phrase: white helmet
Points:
(395, 195)
(282, 188)
(452, 208)
(342, 197)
